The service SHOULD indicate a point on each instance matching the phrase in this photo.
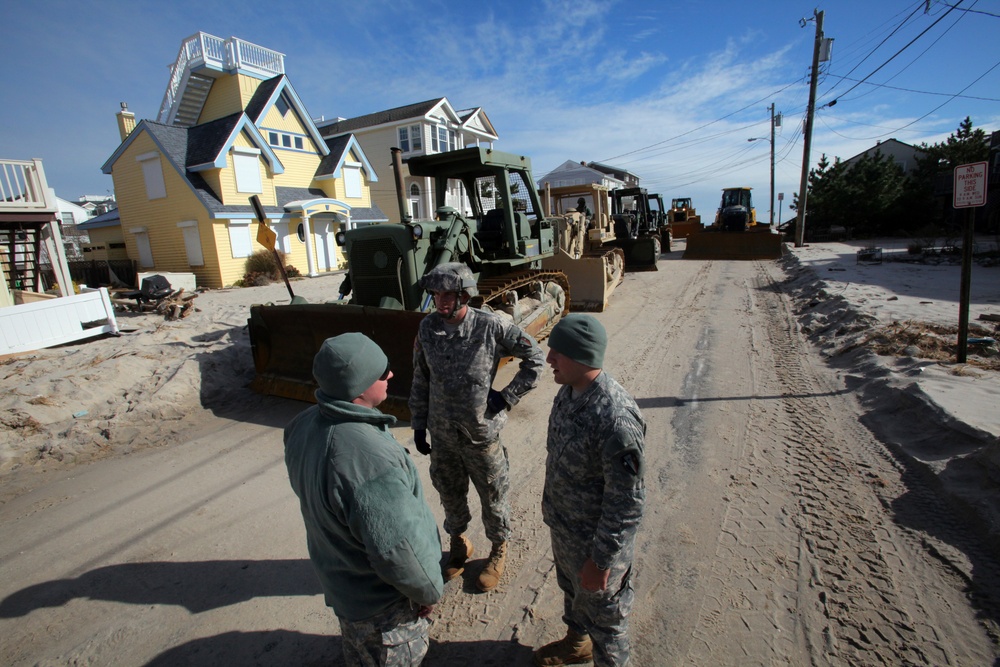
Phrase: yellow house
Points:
(231, 126)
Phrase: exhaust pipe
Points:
(397, 168)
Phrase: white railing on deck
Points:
(225, 54)
(23, 186)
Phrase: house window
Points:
(282, 105)
(300, 231)
(142, 243)
(285, 140)
(152, 173)
(352, 181)
(246, 164)
(414, 190)
(192, 242)
(239, 238)
(409, 138)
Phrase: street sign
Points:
(970, 185)
(266, 236)
(781, 196)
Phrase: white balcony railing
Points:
(228, 55)
(23, 187)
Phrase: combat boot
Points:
(490, 576)
(459, 552)
(573, 649)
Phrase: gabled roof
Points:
(470, 116)
(209, 142)
(339, 148)
(200, 147)
(608, 169)
(108, 219)
(267, 95)
(887, 144)
(173, 144)
(389, 116)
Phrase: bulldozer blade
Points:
(640, 254)
(682, 230)
(284, 339)
(593, 276)
(734, 245)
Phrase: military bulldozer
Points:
(736, 232)
(504, 239)
(684, 219)
(582, 218)
(636, 231)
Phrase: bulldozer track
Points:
(492, 289)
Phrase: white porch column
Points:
(307, 230)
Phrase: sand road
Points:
(778, 529)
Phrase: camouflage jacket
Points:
(454, 367)
(594, 489)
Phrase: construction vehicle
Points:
(684, 219)
(504, 240)
(635, 229)
(661, 220)
(581, 215)
(736, 232)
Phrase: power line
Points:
(717, 120)
(970, 11)
(908, 44)
(920, 92)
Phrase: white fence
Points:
(32, 326)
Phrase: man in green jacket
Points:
(372, 539)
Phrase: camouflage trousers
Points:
(455, 461)
(395, 638)
(601, 614)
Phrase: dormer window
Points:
(282, 105)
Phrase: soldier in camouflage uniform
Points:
(455, 359)
(593, 496)
(372, 539)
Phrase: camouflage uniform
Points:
(453, 370)
(592, 503)
(396, 637)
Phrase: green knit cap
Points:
(581, 338)
(346, 365)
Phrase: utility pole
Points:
(772, 166)
(800, 226)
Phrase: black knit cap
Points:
(581, 338)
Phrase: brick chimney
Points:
(126, 121)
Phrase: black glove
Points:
(495, 402)
(420, 440)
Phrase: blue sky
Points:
(669, 90)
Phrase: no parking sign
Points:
(970, 185)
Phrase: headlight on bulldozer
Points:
(341, 238)
(418, 232)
